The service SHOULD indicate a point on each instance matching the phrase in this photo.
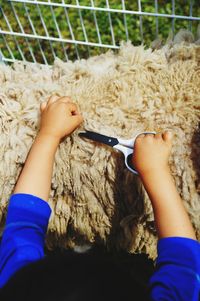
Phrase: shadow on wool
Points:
(195, 155)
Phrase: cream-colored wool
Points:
(94, 198)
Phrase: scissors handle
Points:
(128, 153)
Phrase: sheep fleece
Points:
(94, 198)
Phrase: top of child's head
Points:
(73, 277)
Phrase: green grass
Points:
(133, 24)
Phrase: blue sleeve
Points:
(24, 234)
(177, 275)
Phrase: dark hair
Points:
(70, 276)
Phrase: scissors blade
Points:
(111, 141)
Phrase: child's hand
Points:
(152, 152)
(59, 117)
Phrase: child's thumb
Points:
(77, 119)
(167, 136)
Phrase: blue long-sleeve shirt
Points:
(177, 274)
(24, 234)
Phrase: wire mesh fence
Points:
(40, 31)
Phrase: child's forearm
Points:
(170, 215)
(36, 175)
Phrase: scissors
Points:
(125, 146)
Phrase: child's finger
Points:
(52, 99)
(72, 107)
(43, 106)
(158, 135)
(65, 99)
(151, 135)
(167, 136)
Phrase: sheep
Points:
(94, 198)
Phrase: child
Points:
(177, 274)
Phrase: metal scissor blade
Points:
(111, 141)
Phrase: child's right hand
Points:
(151, 152)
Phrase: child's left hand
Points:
(59, 117)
